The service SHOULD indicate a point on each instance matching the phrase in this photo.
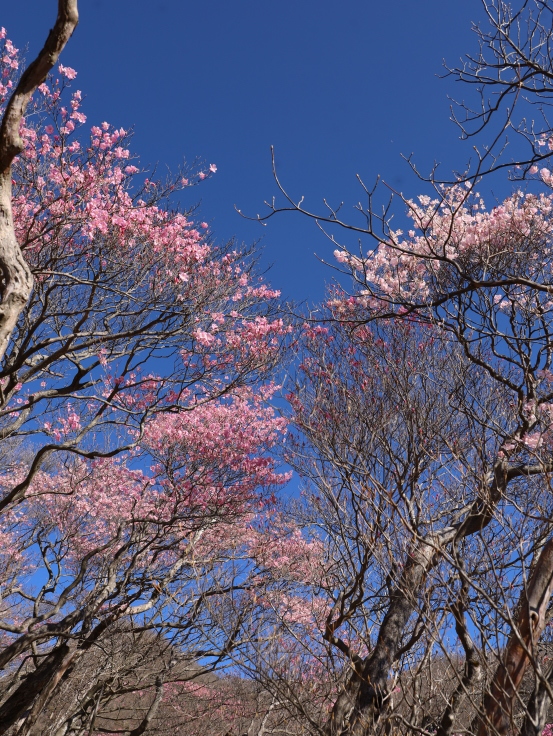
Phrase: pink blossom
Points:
(67, 72)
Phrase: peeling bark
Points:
(530, 622)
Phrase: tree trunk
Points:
(359, 706)
(530, 622)
(16, 278)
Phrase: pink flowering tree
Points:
(475, 282)
(433, 568)
(286, 655)
(134, 389)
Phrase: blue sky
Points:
(339, 88)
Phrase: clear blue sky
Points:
(338, 88)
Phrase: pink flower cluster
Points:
(454, 235)
(199, 470)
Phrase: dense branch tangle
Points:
(424, 414)
(428, 509)
(134, 425)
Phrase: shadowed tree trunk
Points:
(526, 631)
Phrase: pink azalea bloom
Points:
(67, 72)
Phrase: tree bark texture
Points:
(358, 707)
(16, 277)
(530, 622)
